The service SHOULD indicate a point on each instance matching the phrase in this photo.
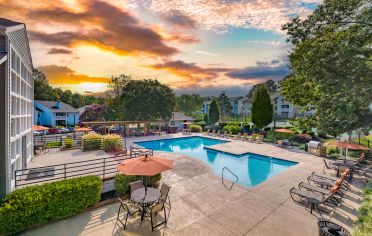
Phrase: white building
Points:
(16, 103)
(241, 105)
(282, 108)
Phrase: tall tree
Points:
(331, 65)
(270, 84)
(262, 109)
(214, 112)
(94, 112)
(224, 104)
(146, 100)
(66, 96)
(189, 103)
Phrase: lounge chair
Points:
(323, 191)
(230, 135)
(312, 199)
(238, 136)
(259, 138)
(218, 134)
(208, 131)
(213, 132)
(245, 137)
(225, 134)
(129, 209)
(329, 183)
(329, 165)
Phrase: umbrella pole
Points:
(346, 151)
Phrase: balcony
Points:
(61, 117)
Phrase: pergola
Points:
(123, 123)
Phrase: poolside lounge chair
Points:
(323, 191)
(208, 131)
(329, 165)
(329, 183)
(245, 137)
(259, 138)
(238, 136)
(129, 210)
(218, 134)
(212, 133)
(314, 200)
(225, 134)
(253, 138)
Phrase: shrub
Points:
(200, 123)
(196, 128)
(111, 142)
(212, 127)
(122, 182)
(267, 129)
(54, 144)
(231, 128)
(301, 138)
(322, 134)
(278, 136)
(364, 222)
(92, 141)
(48, 202)
(222, 125)
(68, 142)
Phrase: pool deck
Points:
(201, 205)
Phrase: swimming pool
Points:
(251, 169)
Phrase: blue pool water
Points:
(251, 169)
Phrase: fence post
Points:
(104, 167)
(64, 167)
(15, 179)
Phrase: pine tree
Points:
(262, 109)
(214, 112)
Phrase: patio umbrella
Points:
(347, 146)
(187, 123)
(145, 166)
(39, 128)
(83, 129)
(288, 131)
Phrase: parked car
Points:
(52, 131)
(37, 133)
(63, 130)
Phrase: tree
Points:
(270, 84)
(331, 65)
(66, 96)
(94, 112)
(262, 109)
(214, 112)
(206, 118)
(224, 104)
(146, 100)
(42, 89)
(189, 103)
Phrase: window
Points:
(285, 106)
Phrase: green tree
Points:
(270, 84)
(77, 100)
(262, 109)
(146, 100)
(42, 89)
(214, 112)
(331, 65)
(206, 118)
(189, 103)
(224, 104)
(66, 96)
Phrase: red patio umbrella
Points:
(145, 165)
(39, 128)
(347, 146)
(284, 131)
(83, 129)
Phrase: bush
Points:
(322, 134)
(196, 128)
(54, 144)
(200, 123)
(222, 125)
(212, 127)
(68, 142)
(301, 138)
(364, 222)
(278, 136)
(48, 202)
(92, 142)
(122, 182)
(111, 142)
(267, 129)
(231, 128)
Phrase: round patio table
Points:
(328, 228)
(145, 197)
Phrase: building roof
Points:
(232, 99)
(178, 116)
(51, 105)
(8, 23)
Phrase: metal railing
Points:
(222, 178)
(135, 151)
(103, 167)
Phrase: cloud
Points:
(59, 51)
(207, 53)
(274, 69)
(220, 15)
(179, 20)
(57, 75)
(190, 71)
(102, 25)
(216, 90)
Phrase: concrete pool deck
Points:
(201, 205)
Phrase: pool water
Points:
(251, 169)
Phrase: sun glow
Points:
(88, 87)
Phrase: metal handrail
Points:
(222, 178)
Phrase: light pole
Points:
(275, 104)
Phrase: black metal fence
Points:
(103, 167)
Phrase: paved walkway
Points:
(201, 205)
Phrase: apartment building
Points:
(16, 102)
(283, 109)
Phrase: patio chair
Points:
(245, 137)
(323, 191)
(212, 133)
(218, 134)
(154, 213)
(253, 138)
(259, 139)
(225, 134)
(314, 200)
(128, 209)
(238, 136)
(231, 135)
(329, 166)
(164, 190)
(329, 183)
(136, 185)
(208, 131)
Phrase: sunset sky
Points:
(200, 46)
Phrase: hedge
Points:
(122, 182)
(111, 142)
(278, 136)
(54, 144)
(196, 128)
(92, 142)
(68, 142)
(48, 202)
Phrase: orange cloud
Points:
(58, 75)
